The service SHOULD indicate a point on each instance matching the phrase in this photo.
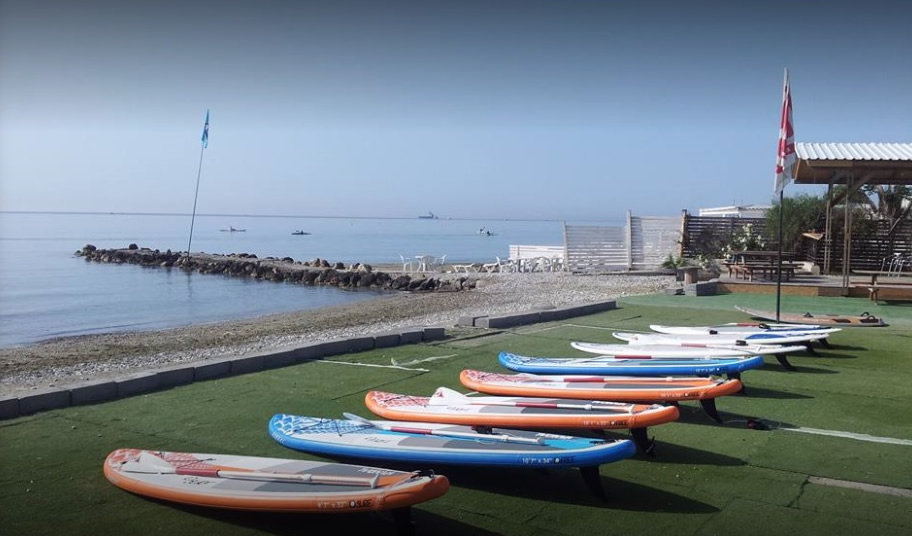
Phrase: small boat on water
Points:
(232, 230)
(299, 233)
(429, 216)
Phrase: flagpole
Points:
(779, 259)
(785, 157)
(199, 172)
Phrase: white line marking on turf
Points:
(425, 360)
(850, 435)
(546, 328)
(393, 366)
(590, 327)
(873, 488)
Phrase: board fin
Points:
(783, 360)
(402, 517)
(643, 442)
(709, 406)
(593, 480)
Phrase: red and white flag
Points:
(785, 156)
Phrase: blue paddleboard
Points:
(437, 443)
(631, 366)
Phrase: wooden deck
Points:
(887, 288)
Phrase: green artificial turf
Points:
(706, 478)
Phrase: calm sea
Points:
(46, 291)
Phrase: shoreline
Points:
(73, 361)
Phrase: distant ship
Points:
(429, 216)
(232, 230)
(299, 232)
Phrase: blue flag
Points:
(206, 131)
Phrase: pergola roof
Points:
(874, 163)
(852, 164)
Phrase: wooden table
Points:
(747, 262)
(762, 256)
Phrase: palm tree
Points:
(894, 203)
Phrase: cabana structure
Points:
(853, 165)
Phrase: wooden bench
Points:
(875, 274)
(904, 294)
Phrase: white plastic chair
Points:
(898, 264)
(541, 264)
(557, 264)
(439, 262)
(425, 262)
(407, 264)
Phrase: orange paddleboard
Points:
(268, 484)
(616, 388)
(449, 406)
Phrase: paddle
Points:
(666, 380)
(151, 464)
(444, 396)
(428, 431)
(760, 349)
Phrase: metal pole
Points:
(195, 196)
(779, 259)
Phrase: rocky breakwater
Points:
(286, 269)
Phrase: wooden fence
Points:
(870, 245)
(645, 242)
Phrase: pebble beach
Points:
(71, 361)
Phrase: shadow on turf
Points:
(760, 392)
(384, 522)
(729, 420)
(671, 453)
(566, 485)
(832, 354)
(776, 367)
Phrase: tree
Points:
(801, 213)
(894, 203)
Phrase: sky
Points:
(518, 109)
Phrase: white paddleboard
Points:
(682, 348)
(732, 339)
(736, 328)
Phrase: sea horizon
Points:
(302, 216)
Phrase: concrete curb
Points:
(177, 375)
(543, 314)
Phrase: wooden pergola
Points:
(853, 165)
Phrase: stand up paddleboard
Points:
(744, 328)
(615, 388)
(449, 406)
(653, 345)
(424, 443)
(771, 343)
(682, 348)
(863, 320)
(269, 484)
(730, 366)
